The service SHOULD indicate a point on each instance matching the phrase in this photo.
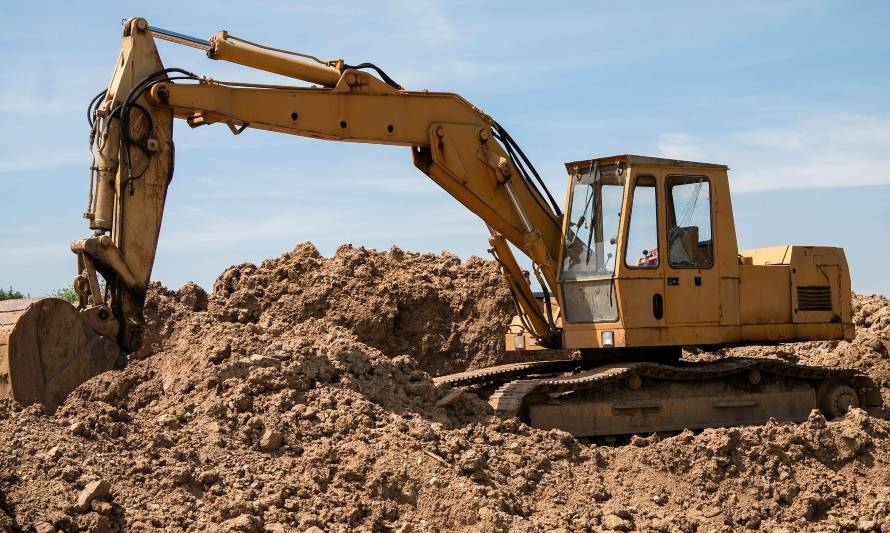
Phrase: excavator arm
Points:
(454, 143)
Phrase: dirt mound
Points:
(446, 314)
(282, 402)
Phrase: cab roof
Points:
(630, 160)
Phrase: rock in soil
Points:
(94, 490)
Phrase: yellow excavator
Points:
(643, 261)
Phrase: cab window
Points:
(594, 218)
(689, 239)
(642, 232)
(591, 245)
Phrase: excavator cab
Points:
(650, 262)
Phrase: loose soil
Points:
(297, 396)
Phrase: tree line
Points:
(65, 293)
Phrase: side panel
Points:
(577, 338)
(764, 294)
(730, 305)
(797, 285)
(819, 284)
(638, 302)
(727, 254)
(692, 296)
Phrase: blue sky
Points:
(793, 96)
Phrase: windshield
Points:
(594, 218)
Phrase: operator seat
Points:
(682, 245)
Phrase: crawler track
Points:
(569, 389)
(503, 373)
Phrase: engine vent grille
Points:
(814, 298)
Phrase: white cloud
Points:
(428, 20)
(821, 150)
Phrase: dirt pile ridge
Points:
(298, 396)
(447, 315)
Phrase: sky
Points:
(791, 95)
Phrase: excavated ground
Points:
(297, 397)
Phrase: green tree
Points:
(65, 293)
(10, 294)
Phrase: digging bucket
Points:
(47, 350)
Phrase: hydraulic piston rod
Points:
(226, 48)
(180, 38)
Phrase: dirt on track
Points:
(297, 397)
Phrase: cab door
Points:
(691, 282)
(642, 274)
